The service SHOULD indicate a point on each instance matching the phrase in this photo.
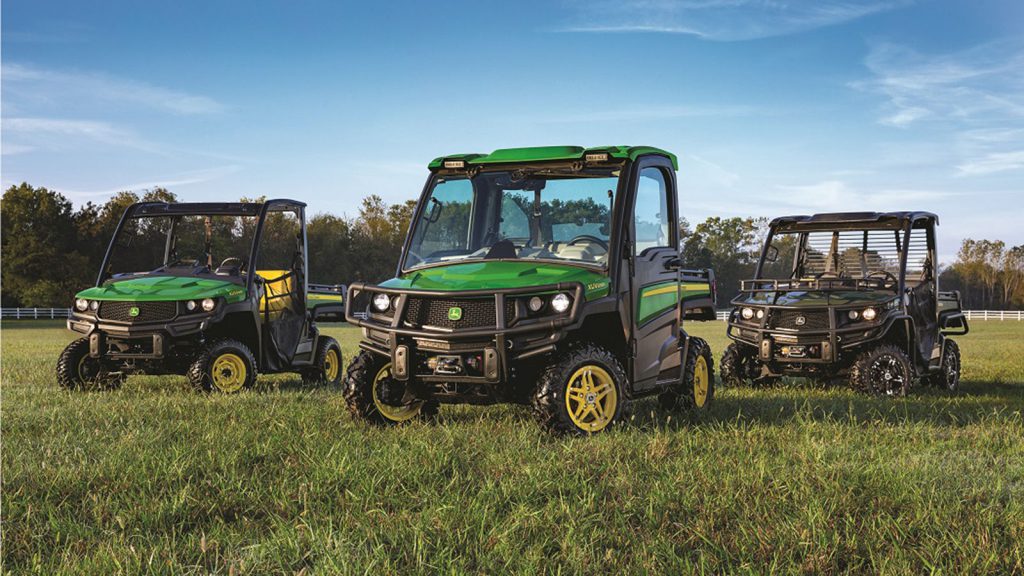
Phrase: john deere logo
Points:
(133, 311)
(455, 313)
(800, 321)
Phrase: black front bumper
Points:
(805, 346)
(138, 341)
(411, 348)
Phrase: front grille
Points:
(476, 312)
(789, 319)
(147, 311)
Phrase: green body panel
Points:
(314, 299)
(817, 299)
(500, 274)
(657, 298)
(164, 288)
(552, 153)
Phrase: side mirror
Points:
(673, 263)
(771, 254)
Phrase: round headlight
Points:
(760, 314)
(853, 314)
(869, 314)
(535, 304)
(81, 304)
(747, 313)
(190, 305)
(208, 304)
(94, 305)
(560, 302)
(381, 302)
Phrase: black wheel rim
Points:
(951, 369)
(888, 375)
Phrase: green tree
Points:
(42, 265)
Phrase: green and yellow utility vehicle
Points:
(214, 291)
(544, 276)
(852, 295)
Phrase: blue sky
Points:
(774, 107)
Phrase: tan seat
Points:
(277, 292)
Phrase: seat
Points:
(277, 292)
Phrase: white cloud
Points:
(652, 112)
(994, 162)
(722, 20)
(172, 181)
(840, 196)
(30, 82)
(59, 133)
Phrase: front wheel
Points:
(697, 388)
(373, 395)
(581, 392)
(225, 366)
(883, 370)
(76, 370)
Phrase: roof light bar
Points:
(454, 163)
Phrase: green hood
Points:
(811, 299)
(165, 288)
(499, 274)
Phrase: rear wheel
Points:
(581, 392)
(225, 366)
(76, 370)
(697, 388)
(883, 370)
(372, 394)
(948, 376)
(326, 365)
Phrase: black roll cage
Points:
(257, 209)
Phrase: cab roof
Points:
(551, 153)
(211, 208)
(842, 220)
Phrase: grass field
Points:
(156, 478)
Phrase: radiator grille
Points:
(790, 319)
(476, 312)
(147, 311)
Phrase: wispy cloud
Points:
(839, 195)
(981, 84)
(29, 81)
(992, 163)
(721, 20)
(172, 181)
(58, 133)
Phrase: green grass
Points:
(155, 478)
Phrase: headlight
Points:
(760, 314)
(853, 314)
(190, 305)
(535, 304)
(81, 304)
(747, 313)
(208, 304)
(869, 314)
(381, 302)
(94, 305)
(560, 302)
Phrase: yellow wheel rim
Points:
(393, 413)
(591, 398)
(229, 373)
(331, 365)
(700, 382)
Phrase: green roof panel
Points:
(552, 153)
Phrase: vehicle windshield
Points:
(540, 215)
(201, 245)
(868, 254)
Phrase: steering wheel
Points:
(589, 238)
(232, 261)
(886, 274)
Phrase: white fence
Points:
(723, 315)
(34, 313)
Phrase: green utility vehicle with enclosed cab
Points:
(851, 295)
(214, 291)
(545, 276)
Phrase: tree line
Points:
(51, 250)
